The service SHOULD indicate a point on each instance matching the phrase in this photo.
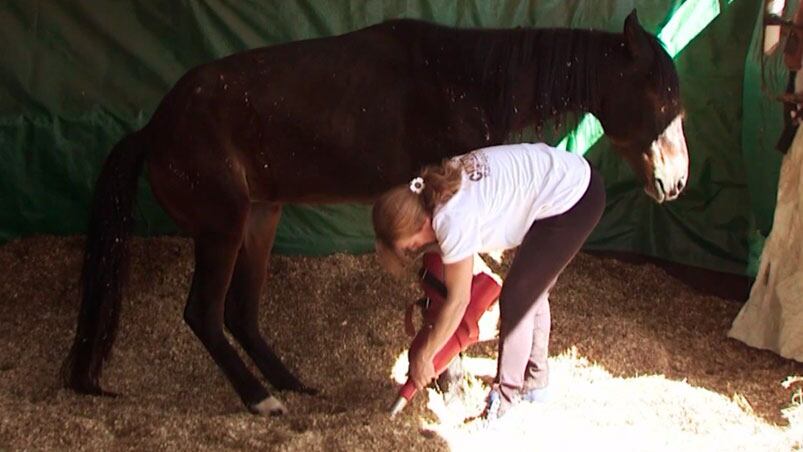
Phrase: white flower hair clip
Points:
(417, 185)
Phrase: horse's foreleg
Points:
(215, 256)
(242, 304)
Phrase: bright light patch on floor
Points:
(592, 410)
(399, 371)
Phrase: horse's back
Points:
(296, 118)
(309, 62)
(313, 109)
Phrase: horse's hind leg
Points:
(215, 255)
(242, 303)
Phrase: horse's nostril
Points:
(681, 185)
(660, 184)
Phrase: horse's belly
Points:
(327, 173)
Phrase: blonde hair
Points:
(400, 212)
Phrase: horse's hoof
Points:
(299, 387)
(92, 389)
(270, 406)
(307, 390)
(113, 395)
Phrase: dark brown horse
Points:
(344, 118)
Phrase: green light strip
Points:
(688, 21)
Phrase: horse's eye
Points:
(663, 109)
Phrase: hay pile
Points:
(625, 338)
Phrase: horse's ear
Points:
(637, 40)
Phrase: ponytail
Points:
(441, 182)
(402, 210)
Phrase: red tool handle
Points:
(440, 361)
(484, 292)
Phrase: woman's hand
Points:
(458, 286)
(422, 371)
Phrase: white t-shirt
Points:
(504, 189)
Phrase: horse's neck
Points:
(526, 76)
(567, 70)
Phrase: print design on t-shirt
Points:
(475, 165)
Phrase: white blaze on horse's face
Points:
(668, 159)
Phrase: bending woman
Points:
(540, 199)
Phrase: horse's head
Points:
(641, 112)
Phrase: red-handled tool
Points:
(484, 292)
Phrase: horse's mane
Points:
(567, 64)
(664, 75)
(561, 59)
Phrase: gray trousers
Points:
(549, 245)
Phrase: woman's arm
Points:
(458, 277)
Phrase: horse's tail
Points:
(105, 264)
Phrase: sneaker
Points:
(496, 405)
(492, 405)
(536, 395)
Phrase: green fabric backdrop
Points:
(77, 75)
